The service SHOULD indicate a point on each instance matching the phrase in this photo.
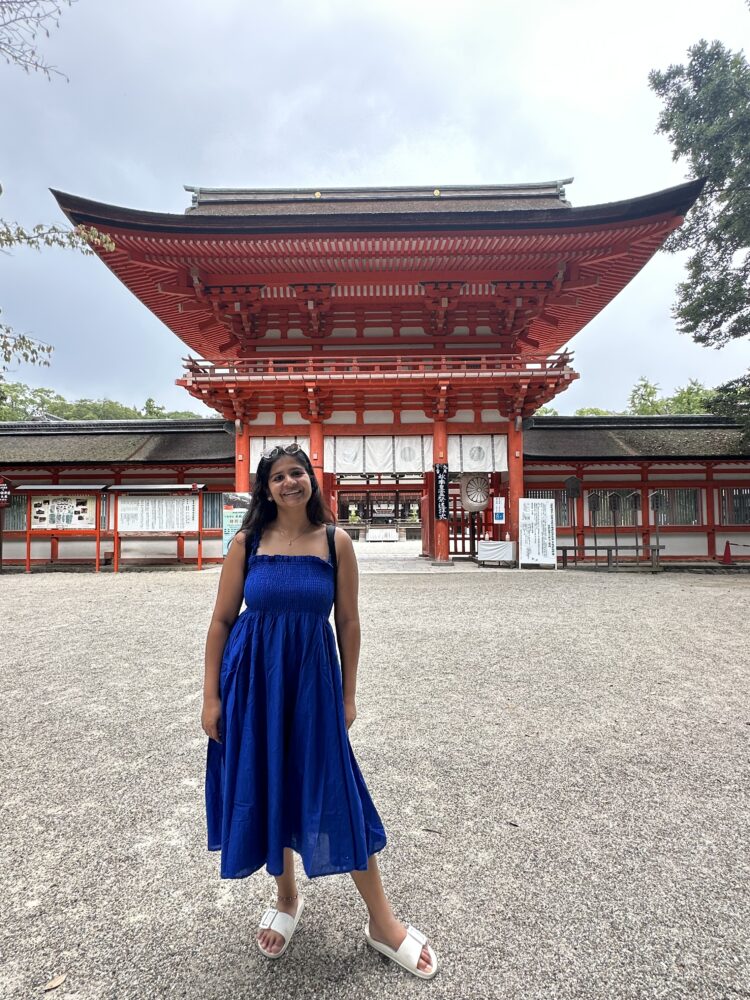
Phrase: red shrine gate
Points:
(394, 330)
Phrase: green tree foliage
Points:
(732, 399)
(594, 411)
(546, 411)
(20, 402)
(706, 116)
(644, 398)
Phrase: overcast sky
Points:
(309, 93)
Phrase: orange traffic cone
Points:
(726, 559)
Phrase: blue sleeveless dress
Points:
(284, 774)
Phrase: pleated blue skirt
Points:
(285, 774)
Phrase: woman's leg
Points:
(286, 886)
(383, 925)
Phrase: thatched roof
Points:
(618, 438)
(196, 442)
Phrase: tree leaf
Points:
(54, 983)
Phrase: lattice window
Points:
(681, 505)
(212, 510)
(15, 514)
(734, 505)
(563, 505)
(627, 517)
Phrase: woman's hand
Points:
(350, 713)
(210, 718)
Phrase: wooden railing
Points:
(402, 364)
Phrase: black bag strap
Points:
(331, 535)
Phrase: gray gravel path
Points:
(560, 760)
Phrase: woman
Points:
(281, 775)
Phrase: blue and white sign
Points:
(235, 506)
(498, 510)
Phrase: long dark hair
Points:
(263, 511)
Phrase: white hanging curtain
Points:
(349, 454)
(409, 457)
(259, 444)
(378, 454)
(477, 452)
(328, 454)
(500, 446)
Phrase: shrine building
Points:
(394, 332)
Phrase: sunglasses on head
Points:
(271, 453)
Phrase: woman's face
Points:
(289, 483)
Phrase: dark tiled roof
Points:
(115, 441)
(619, 438)
(204, 441)
(366, 201)
(253, 212)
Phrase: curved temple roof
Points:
(512, 270)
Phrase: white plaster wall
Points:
(684, 545)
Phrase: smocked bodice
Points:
(289, 584)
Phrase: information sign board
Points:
(235, 506)
(66, 513)
(4, 493)
(537, 534)
(498, 510)
(157, 513)
(441, 492)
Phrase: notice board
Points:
(74, 512)
(537, 532)
(157, 513)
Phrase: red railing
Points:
(318, 366)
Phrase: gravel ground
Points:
(560, 760)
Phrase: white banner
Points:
(154, 513)
(537, 533)
(478, 452)
(378, 454)
(259, 444)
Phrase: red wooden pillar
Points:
(98, 515)
(28, 533)
(200, 530)
(242, 459)
(316, 449)
(427, 515)
(515, 474)
(440, 457)
(580, 526)
(645, 513)
(711, 511)
(116, 535)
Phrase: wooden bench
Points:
(609, 549)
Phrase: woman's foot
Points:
(393, 934)
(271, 940)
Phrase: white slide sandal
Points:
(408, 953)
(281, 923)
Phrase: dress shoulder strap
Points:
(331, 536)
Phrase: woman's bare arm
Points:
(228, 604)
(346, 616)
